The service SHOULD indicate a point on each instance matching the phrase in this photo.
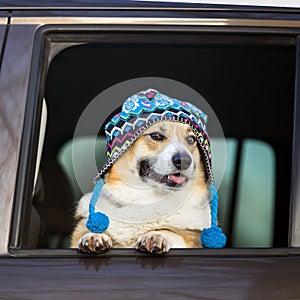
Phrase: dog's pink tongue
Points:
(177, 179)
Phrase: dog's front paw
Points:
(94, 243)
(154, 242)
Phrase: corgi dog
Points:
(155, 194)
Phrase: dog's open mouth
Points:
(175, 180)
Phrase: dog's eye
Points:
(156, 136)
(191, 140)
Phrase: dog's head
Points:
(165, 156)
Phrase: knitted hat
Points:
(138, 113)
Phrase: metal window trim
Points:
(3, 21)
(295, 184)
(154, 21)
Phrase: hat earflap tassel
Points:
(97, 221)
(213, 237)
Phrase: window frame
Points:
(44, 36)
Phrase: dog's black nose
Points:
(181, 161)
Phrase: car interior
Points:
(248, 80)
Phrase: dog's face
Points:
(172, 155)
(166, 157)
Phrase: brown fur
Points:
(191, 237)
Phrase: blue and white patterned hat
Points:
(138, 113)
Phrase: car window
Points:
(242, 82)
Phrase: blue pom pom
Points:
(97, 222)
(213, 237)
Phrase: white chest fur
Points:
(134, 213)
